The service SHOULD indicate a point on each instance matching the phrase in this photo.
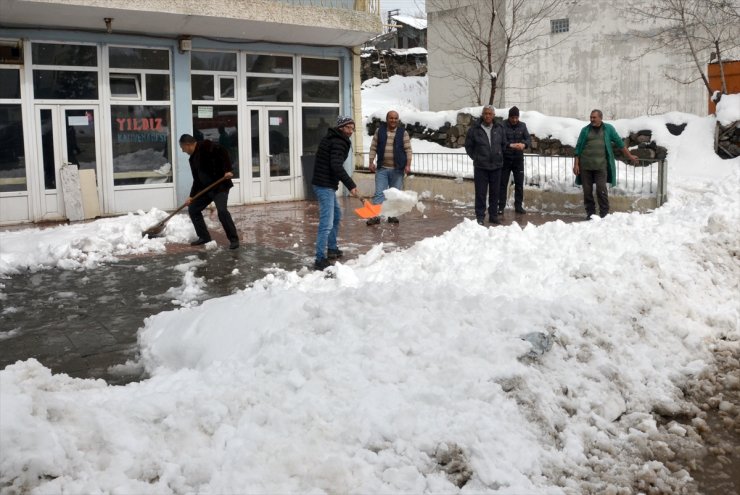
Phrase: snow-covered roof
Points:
(414, 22)
(409, 51)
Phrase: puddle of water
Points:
(84, 322)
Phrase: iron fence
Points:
(647, 177)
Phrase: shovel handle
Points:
(200, 193)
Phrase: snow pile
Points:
(301, 384)
(85, 245)
(399, 202)
(505, 360)
(728, 109)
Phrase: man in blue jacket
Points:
(485, 144)
(594, 162)
(392, 145)
(328, 171)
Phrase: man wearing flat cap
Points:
(328, 171)
(517, 137)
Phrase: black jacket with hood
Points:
(330, 157)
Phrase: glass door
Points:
(273, 170)
(68, 134)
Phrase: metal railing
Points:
(648, 177)
(372, 6)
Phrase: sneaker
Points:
(373, 221)
(333, 254)
(321, 264)
(480, 221)
(500, 211)
(234, 245)
(200, 242)
(520, 210)
(392, 219)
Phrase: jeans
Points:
(385, 178)
(588, 179)
(196, 208)
(486, 183)
(329, 216)
(513, 164)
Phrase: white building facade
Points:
(110, 85)
(589, 57)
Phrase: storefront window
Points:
(213, 61)
(141, 147)
(219, 123)
(269, 64)
(57, 54)
(201, 87)
(10, 84)
(269, 89)
(157, 87)
(316, 121)
(138, 58)
(319, 67)
(320, 91)
(65, 85)
(12, 156)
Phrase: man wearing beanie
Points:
(328, 171)
(518, 139)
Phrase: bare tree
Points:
(702, 30)
(489, 34)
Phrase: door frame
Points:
(50, 204)
(265, 187)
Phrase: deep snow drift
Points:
(409, 371)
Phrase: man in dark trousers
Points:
(328, 171)
(594, 162)
(209, 162)
(485, 144)
(517, 137)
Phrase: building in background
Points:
(587, 57)
(109, 85)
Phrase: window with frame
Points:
(12, 151)
(320, 96)
(269, 78)
(64, 71)
(140, 115)
(214, 95)
(559, 26)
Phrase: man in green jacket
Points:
(594, 163)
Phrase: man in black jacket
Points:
(485, 144)
(209, 162)
(328, 171)
(517, 137)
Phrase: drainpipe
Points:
(357, 107)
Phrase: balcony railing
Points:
(372, 6)
(648, 178)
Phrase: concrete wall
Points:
(569, 203)
(450, 75)
(599, 63)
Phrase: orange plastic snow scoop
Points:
(368, 209)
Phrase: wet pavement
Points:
(84, 323)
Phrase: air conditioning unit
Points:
(11, 52)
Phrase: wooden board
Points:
(88, 185)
